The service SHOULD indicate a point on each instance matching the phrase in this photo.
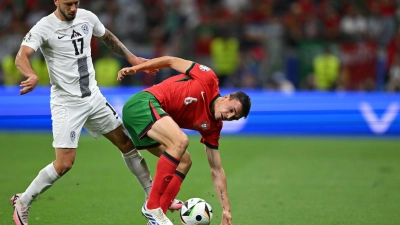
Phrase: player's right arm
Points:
(178, 64)
(25, 68)
(220, 185)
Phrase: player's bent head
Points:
(67, 8)
(244, 99)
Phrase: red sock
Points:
(166, 166)
(172, 190)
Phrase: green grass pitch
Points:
(271, 180)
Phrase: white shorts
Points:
(93, 113)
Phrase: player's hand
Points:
(125, 71)
(29, 84)
(140, 60)
(226, 218)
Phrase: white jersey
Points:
(66, 49)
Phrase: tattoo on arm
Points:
(112, 42)
(222, 197)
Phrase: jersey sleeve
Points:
(98, 27)
(203, 73)
(211, 138)
(35, 37)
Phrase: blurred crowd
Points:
(267, 44)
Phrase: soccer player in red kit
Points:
(155, 116)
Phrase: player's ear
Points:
(227, 96)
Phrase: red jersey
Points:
(187, 99)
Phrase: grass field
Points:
(271, 180)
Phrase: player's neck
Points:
(213, 104)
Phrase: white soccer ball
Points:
(196, 211)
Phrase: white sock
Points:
(44, 180)
(138, 166)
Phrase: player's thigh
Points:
(67, 122)
(168, 133)
(139, 114)
(103, 117)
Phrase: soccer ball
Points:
(196, 211)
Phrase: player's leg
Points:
(132, 157)
(140, 113)
(104, 120)
(168, 133)
(66, 127)
(170, 192)
(175, 142)
(43, 181)
(65, 158)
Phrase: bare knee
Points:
(64, 160)
(63, 166)
(181, 144)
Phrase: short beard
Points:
(65, 16)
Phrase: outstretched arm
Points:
(25, 68)
(220, 186)
(178, 64)
(113, 43)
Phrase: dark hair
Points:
(244, 100)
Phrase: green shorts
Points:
(139, 114)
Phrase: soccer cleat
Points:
(155, 216)
(20, 212)
(175, 205)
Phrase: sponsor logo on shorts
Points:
(72, 136)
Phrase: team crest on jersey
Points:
(203, 126)
(85, 28)
(28, 37)
(204, 68)
(72, 136)
(75, 34)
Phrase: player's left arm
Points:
(113, 43)
(178, 64)
(220, 184)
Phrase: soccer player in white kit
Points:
(76, 101)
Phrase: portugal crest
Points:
(205, 125)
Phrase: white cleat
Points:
(155, 216)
